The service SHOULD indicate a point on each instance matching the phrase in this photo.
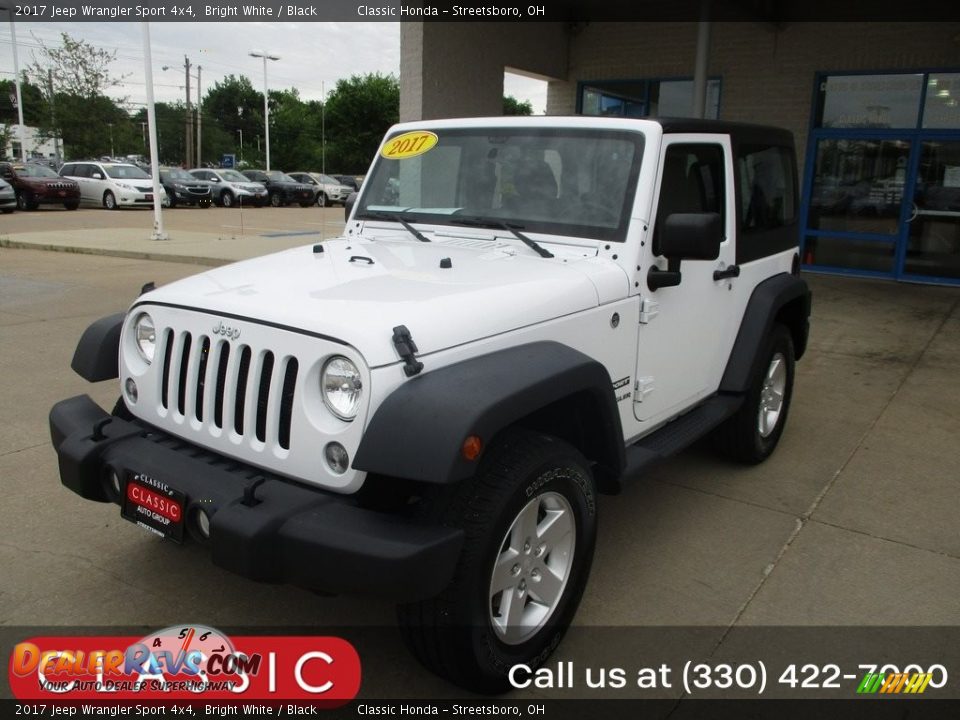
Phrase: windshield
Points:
(125, 172)
(178, 174)
(34, 171)
(564, 181)
(278, 176)
(233, 176)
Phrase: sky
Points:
(313, 56)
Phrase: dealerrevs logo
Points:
(185, 662)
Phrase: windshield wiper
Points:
(503, 225)
(395, 217)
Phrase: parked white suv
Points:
(328, 190)
(232, 188)
(111, 185)
(522, 313)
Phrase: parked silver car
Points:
(232, 188)
(8, 198)
(329, 191)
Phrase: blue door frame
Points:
(915, 136)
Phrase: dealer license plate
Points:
(154, 505)
(149, 196)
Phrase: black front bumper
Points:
(284, 533)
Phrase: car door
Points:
(687, 331)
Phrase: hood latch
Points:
(406, 349)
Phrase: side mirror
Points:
(686, 236)
(348, 206)
(97, 176)
(214, 179)
(692, 236)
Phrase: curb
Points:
(129, 254)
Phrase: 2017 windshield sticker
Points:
(409, 144)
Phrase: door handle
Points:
(731, 271)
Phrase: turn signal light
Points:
(471, 448)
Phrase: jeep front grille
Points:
(232, 386)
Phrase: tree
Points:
(358, 112)
(229, 106)
(78, 68)
(83, 115)
(512, 106)
(34, 103)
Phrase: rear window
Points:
(768, 196)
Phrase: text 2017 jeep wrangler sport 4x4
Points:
(521, 313)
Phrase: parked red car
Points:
(35, 184)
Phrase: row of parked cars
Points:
(115, 185)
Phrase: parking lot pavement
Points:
(206, 236)
(851, 522)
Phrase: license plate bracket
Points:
(154, 505)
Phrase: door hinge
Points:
(643, 387)
(649, 309)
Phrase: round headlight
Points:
(145, 335)
(341, 387)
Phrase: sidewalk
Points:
(186, 246)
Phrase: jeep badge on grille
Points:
(231, 332)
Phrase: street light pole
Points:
(240, 130)
(158, 233)
(323, 129)
(16, 77)
(188, 150)
(199, 118)
(266, 101)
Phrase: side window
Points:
(68, 170)
(767, 192)
(693, 182)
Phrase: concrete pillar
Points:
(456, 69)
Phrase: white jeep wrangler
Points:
(522, 313)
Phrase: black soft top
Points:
(740, 133)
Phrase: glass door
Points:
(856, 203)
(932, 243)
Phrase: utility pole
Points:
(53, 118)
(188, 149)
(199, 118)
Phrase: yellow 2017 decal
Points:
(409, 144)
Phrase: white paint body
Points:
(497, 294)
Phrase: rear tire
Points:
(529, 516)
(26, 201)
(752, 434)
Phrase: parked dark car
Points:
(35, 184)
(184, 189)
(282, 188)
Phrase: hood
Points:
(491, 288)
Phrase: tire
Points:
(109, 201)
(305, 204)
(168, 201)
(460, 634)
(26, 201)
(276, 200)
(322, 199)
(752, 434)
(227, 199)
(72, 205)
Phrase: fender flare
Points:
(783, 296)
(97, 355)
(418, 431)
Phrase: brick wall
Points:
(767, 72)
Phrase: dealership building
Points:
(874, 108)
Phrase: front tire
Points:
(752, 434)
(227, 199)
(109, 200)
(322, 199)
(529, 516)
(275, 200)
